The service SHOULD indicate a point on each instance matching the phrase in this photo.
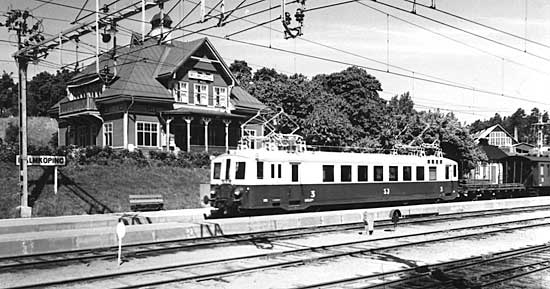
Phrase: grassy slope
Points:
(110, 185)
(40, 129)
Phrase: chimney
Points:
(516, 133)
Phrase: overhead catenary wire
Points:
(378, 2)
(474, 89)
(452, 39)
(524, 38)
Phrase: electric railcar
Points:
(281, 173)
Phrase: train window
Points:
(542, 170)
(362, 173)
(394, 175)
(294, 172)
(345, 173)
(217, 171)
(378, 173)
(447, 172)
(260, 170)
(548, 170)
(407, 173)
(279, 170)
(227, 166)
(419, 173)
(328, 173)
(454, 171)
(239, 170)
(272, 171)
(433, 173)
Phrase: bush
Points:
(12, 133)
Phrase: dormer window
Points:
(220, 96)
(180, 92)
(201, 94)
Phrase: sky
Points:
(488, 71)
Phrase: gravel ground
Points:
(314, 272)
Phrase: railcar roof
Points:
(336, 157)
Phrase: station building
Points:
(174, 96)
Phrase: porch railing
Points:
(78, 105)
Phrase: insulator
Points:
(299, 16)
(287, 18)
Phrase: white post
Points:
(168, 121)
(120, 232)
(188, 121)
(226, 122)
(125, 130)
(206, 121)
(55, 180)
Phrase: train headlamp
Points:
(238, 191)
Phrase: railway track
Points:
(475, 272)
(174, 275)
(151, 249)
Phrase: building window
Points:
(407, 173)
(220, 96)
(454, 171)
(227, 168)
(362, 173)
(394, 175)
(294, 172)
(345, 173)
(147, 134)
(419, 173)
(252, 134)
(201, 94)
(378, 173)
(260, 170)
(433, 173)
(108, 134)
(240, 170)
(328, 173)
(217, 171)
(180, 92)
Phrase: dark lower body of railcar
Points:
(230, 199)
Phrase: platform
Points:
(43, 235)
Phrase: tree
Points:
(45, 89)
(242, 72)
(8, 95)
(359, 90)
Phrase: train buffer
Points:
(139, 203)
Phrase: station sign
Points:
(43, 160)
(200, 75)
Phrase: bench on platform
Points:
(146, 202)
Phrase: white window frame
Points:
(200, 96)
(252, 133)
(108, 129)
(220, 99)
(180, 92)
(150, 132)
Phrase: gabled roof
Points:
(485, 133)
(243, 100)
(139, 67)
(493, 152)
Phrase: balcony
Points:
(78, 106)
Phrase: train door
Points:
(295, 187)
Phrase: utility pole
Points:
(17, 20)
